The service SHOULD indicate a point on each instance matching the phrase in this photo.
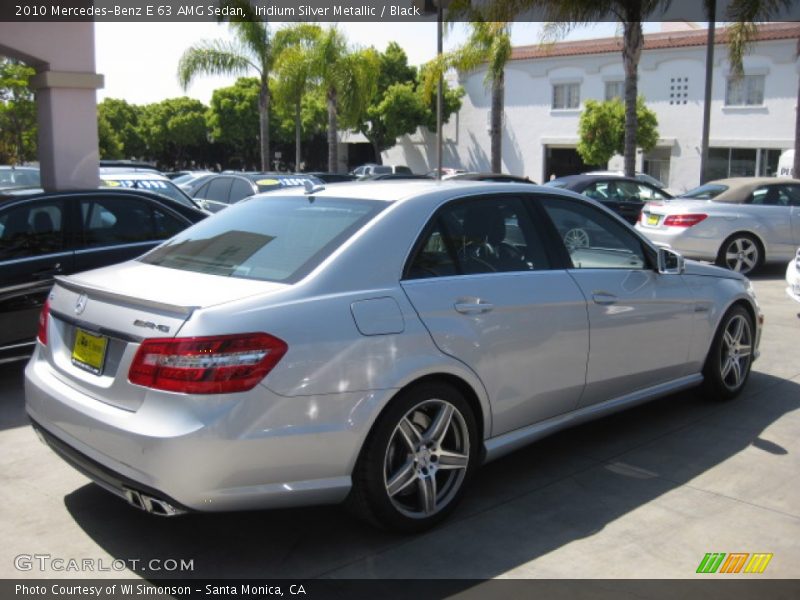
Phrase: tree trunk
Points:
(377, 150)
(263, 122)
(631, 51)
(796, 166)
(333, 144)
(297, 136)
(496, 124)
(711, 7)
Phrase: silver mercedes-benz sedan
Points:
(749, 222)
(371, 343)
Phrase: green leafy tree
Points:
(174, 126)
(602, 130)
(293, 69)
(349, 78)
(121, 121)
(564, 15)
(233, 119)
(744, 16)
(396, 108)
(426, 89)
(17, 112)
(251, 50)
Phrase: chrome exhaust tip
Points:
(150, 504)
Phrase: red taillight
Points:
(206, 365)
(684, 220)
(44, 317)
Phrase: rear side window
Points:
(31, 229)
(705, 192)
(121, 220)
(270, 239)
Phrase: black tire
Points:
(387, 452)
(742, 253)
(730, 358)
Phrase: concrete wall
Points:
(66, 98)
(531, 124)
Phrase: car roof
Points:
(395, 190)
(134, 176)
(737, 186)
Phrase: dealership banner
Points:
(316, 10)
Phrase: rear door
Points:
(641, 321)
(34, 247)
(492, 296)
(118, 227)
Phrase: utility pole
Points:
(712, 16)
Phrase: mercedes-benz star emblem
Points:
(80, 303)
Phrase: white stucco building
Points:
(752, 119)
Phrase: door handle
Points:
(604, 299)
(473, 308)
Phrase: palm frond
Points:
(213, 57)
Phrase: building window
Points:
(745, 91)
(678, 90)
(656, 164)
(615, 89)
(566, 95)
(742, 162)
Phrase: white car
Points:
(793, 278)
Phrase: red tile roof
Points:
(652, 41)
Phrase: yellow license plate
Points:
(89, 351)
(652, 219)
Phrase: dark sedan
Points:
(219, 191)
(623, 195)
(47, 234)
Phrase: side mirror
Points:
(670, 262)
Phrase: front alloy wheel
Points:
(414, 466)
(731, 356)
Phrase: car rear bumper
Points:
(247, 451)
(682, 240)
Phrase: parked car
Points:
(793, 277)
(328, 177)
(499, 177)
(623, 195)
(637, 175)
(371, 169)
(47, 234)
(445, 172)
(220, 191)
(392, 176)
(735, 190)
(747, 224)
(370, 343)
(14, 177)
(130, 166)
(146, 180)
(189, 182)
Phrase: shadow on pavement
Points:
(12, 394)
(519, 508)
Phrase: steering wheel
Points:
(482, 253)
(575, 238)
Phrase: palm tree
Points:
(490, 43)
(293, 69)
(564, 15)
(744, 14)
(251, 50)
(349, 79)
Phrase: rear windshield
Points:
(266, 238)
(159, 186)
(705, 192)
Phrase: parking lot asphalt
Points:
(642, 494)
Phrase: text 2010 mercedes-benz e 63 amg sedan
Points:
(371, 343)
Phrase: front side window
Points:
(31, 229)
(483, 235)
(593, 239)
(747, 90)
(566, 95)
(271, 238)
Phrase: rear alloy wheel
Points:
(728, 364)
(421, 453)
(740, 253)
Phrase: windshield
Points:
(268, 238)
(159, 186)
(705, 192)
